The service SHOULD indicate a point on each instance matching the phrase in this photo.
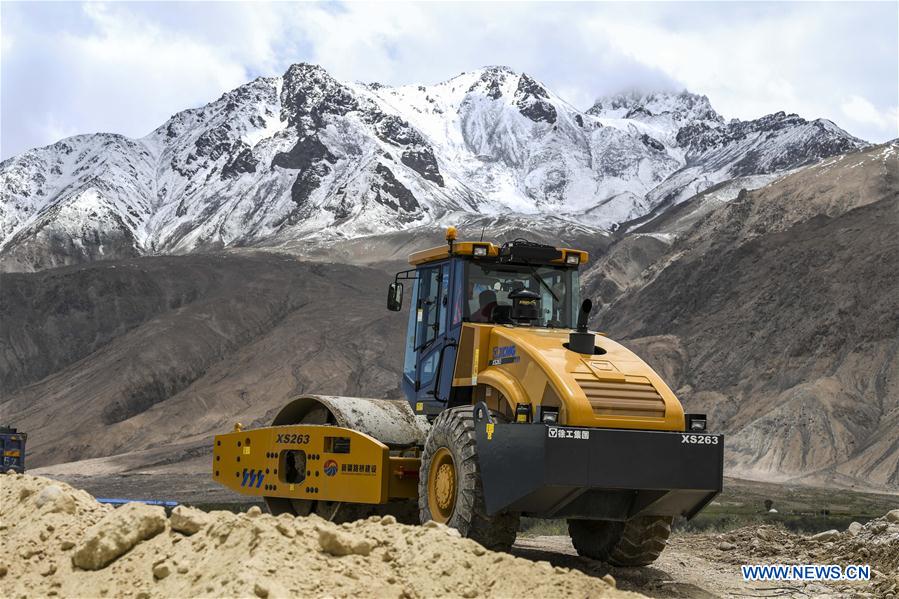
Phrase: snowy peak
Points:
(309, 93)
(304, 157)
(494, 83)
(490, 81)
(683, 106)
(530, 97)
(532, 101)
(767, 144)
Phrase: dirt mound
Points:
(875, 543)
(58, 541)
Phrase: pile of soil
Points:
(875, 544)
(58, 541)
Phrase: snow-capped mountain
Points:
(306, 157)
(710, 151)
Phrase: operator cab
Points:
(516, 284)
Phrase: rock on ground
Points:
(875, 543)
(188, 520)
(53, 499)
(338, 542)
(116, 533)
(827, 535)
(136, 551)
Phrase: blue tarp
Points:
(116, 501)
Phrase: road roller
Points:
(513, 407)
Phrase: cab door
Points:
(432, 313)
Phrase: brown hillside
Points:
(778, 314)
(134, 368)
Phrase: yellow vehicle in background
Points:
(513, 407)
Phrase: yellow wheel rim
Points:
(442, 485)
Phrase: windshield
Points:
(489, 285)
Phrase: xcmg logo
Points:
(504, 355)
(252, 478)
(503, 351)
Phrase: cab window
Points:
(432, 293)
(489, 285)
(409, 362)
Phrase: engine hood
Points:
(613, 388)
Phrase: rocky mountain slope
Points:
(776, 313)
(303, 160)
(157, 352)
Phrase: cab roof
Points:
(467, 248)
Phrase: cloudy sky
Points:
(68, 68)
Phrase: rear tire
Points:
(636, 542)
(449, 484)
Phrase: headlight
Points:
(549, 415)
(480, 251)
(573, 259)
(696, 423)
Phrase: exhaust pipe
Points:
(580, 340)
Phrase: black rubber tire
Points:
(636, 542)
(454, 430)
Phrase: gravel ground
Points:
(708, 565)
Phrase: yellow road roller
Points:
(512, 408)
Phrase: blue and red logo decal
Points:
(330, 468)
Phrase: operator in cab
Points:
(491, 286)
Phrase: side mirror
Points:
(395, 297)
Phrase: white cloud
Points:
(54, 129)
(126, 50)
(126, 67)
(860, 110)
(751, 67)
(122, 74)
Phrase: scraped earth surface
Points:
(58, 541)
(708, 565)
